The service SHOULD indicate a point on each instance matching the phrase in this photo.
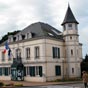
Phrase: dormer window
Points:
(23, 37)
(27, 35)
(18, 37)
(14, 39)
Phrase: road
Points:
(79, 85)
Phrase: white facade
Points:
(53, 54)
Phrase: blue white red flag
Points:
(6, 45)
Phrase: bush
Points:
(18, 85)
(1, 84)
(10, 84)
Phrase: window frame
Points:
(37, 52)
(28, 53)
(58, 68)
(56, 52)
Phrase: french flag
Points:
(7, 48)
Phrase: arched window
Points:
(18, 52)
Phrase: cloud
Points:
(17, 14)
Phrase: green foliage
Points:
(86, 58)
(1, 84)
(5, 37)
(18, 85)
(10, 84)
(84, 64)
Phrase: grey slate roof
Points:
(69, 17)
(40, 29)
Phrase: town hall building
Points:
(41, 53)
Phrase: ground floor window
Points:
(58, 70)
(0, 71)
(33, 71)
(5, 71)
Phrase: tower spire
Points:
(68, 4)
(69, 17)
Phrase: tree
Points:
(86, 58)
(84, 64)
(5, 37)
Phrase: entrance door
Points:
(13, 74)
(17, 71)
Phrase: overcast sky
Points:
(17, 14)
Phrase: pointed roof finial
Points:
(68, 4)
(69, 17)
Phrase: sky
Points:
(18, 14)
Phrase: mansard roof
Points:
(40, 29)
(69, 17)
(35, 31)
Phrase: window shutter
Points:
(0, 71)
(24, 71)
(58, 52)
(53, 50)
(40, 71)
(33, 71)
(6, 71)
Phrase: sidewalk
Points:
(26, 83)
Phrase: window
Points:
(58, 70)
(76, 27)
(3, 56)
(39, 70)
(72, 70)
(35, 71)
(56, 52)
(18, 37)
(77, 53)
(27, 53)
(71, 37)
(69, 25)
(0, 71)
(5, 71)
(27, 35)
(18, 53)
(32, 71)
(37, 52)
(26, 70)
(71, 52)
